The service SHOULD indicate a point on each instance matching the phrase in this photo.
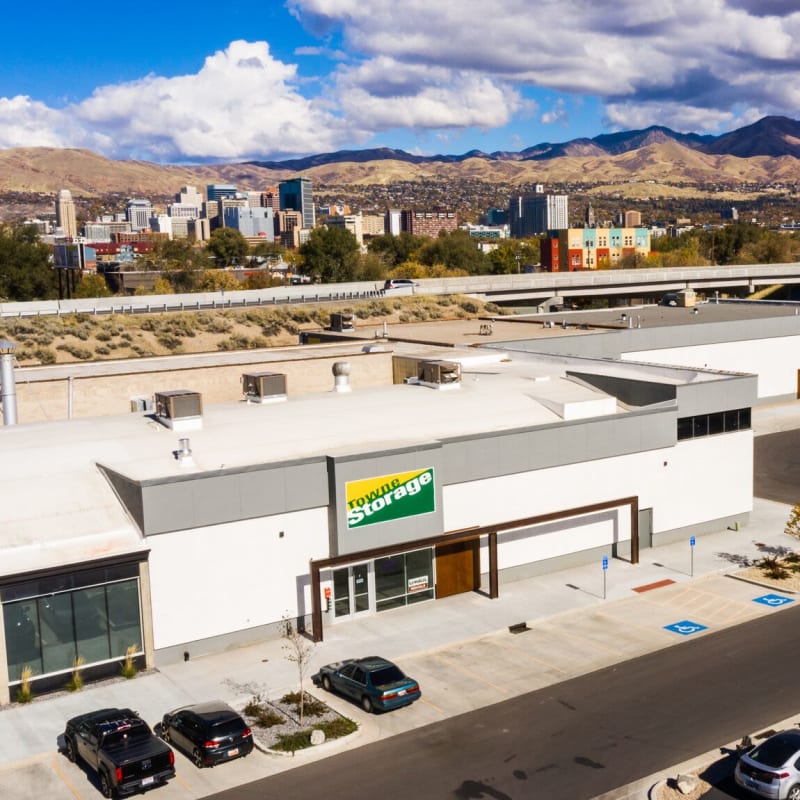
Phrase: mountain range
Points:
(655, 161)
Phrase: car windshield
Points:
(386, 675)
(775, 752)
(228, 727)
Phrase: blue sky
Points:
(275, 79)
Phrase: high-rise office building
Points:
(65, 214)
(189, 196)
(250, 221)
(216, 191)
(295, 195)
(138, 213)
(535, 214)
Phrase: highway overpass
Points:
(507, 289)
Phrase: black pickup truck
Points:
(119, 745)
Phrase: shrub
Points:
(470, 306)
(75, 351)
(44, 355)
(128, 668)
(311, 706)
(169, 341)
(262, 715)
(336, 728)
(289, 742)
(773, 568)
(75, 683)
(24, 692)
(102, 350)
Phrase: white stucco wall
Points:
(775, 361)
(224, 578)
(695, 481)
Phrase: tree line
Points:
(332, 255)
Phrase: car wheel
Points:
(106, 787)
(326, 683)
(197, 758)
(165, 733)
(366, 704)
(794, 792)
(69, 749)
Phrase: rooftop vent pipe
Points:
(8, 388)
(341, 376)
(184, 453)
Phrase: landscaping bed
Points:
(276, 724)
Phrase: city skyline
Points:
(300, 77)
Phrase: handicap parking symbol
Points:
(774, 600)
(685, 628)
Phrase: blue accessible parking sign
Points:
(774, 600)
(685, 628)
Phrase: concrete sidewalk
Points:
(577, 630)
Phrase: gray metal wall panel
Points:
(355, 468)
(722, 395)
(168, 507)
(195, 501)
(569, 443)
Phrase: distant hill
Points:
(767, 152)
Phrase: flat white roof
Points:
(57, 506)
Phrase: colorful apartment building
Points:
(592, 248)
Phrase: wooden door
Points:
(457, 568)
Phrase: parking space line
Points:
(183, 783)
(427, 702)
(584, 639)
(530, 657)
(467, 671)
(75, 793)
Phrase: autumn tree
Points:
(92, 285)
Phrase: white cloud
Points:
(442, 68)
(241, 104)
(636, 57)
(382, 94)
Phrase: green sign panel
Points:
(388, 497)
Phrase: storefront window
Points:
(403, 579)
(48, 633)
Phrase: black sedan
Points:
(374, 682)
(208, 732)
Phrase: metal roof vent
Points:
(341, 376)
(264, 387)
(184, 453)
(180, 409)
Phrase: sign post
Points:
(605, 570)
(692, 543)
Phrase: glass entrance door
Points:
(351, 590)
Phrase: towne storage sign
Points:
(389, 497)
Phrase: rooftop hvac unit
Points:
(440, 374)
(342, 322)
(179, 409)
(264, 387)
